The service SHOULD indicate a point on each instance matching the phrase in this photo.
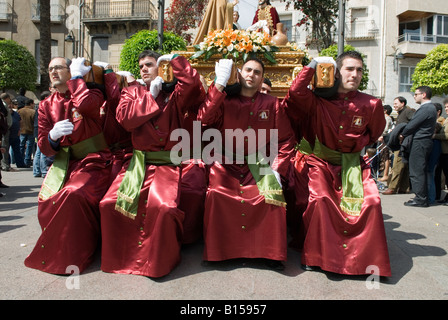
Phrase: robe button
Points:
(243, 227)
(345, 231)
(344, 245)
(43, 262)
(139, 243)
(42, 246)
(341, 127)
(156, 127)
(242, 201)
(251, 113)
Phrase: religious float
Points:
(282, 60)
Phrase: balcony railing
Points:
(429, 38)
(361, 30)
(56, 13)
(118, 10)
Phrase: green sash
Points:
(267, 183)
(128, 193)
(351, 174)
(55, 178)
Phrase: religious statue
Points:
(267, 12)
(218, 15)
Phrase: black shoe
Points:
(444, 200)
(412, 203)
(275, 265)
(307, 267)
(2, 185)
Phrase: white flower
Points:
(230, 47)
(267, 48)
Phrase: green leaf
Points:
(197, 54)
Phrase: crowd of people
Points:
(412, 150)
(113, 184)
(19, 135)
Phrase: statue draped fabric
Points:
(218, 15)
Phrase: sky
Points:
(247, 9)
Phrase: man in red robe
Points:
(245, 214)
(343, 228)
(70, 128)
(141, 221)
(267, 12)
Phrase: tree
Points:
(332, 51)
(320, 17)
(183, 15)
(432, 71)
(18, 68)
(45, 42)
(147, 40)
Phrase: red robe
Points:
(332, 239)
(70, 218)
(272, 19)
(149, 245)
(238, 223)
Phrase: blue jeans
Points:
(39, 164)
(26, 147)
(14, 152)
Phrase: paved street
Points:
(417, 239)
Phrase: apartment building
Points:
(94, 29)
(394, 36)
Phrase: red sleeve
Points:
(87, 101)
(210, 112)
(300, 99)
(378, 122)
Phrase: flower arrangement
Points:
(236, 44)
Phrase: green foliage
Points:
(147, 40)
(332, 51)
(18, 68)
(432, 71)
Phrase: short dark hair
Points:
(402, 99)
(438, 107)
(388, 109)
(267, 81)
(256, 60)
(425, 89)
(148, 53)
(348, 54)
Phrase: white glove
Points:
(60, 129)
(223, 70)
(156, 86)
(165, 57)
(78, 68)
(326, 60)
(261, 24)
(101, 64)
(125, 73)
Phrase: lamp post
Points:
(397, 56)
(161, 8)
(71, 38)
(341, 27)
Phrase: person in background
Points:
(6, 162)
(399, 180)
(422, 128)
(27, 131)
(266, 86)
(40, 159)
(15, 154)
(268, 13)
(385, 154)
(236, 17)
(3, 130)
(442, 167)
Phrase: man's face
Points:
(350, 75)
(58, 72)
(419, 96)
(398, 106)
(252, 75)
(148, 69)
(265, 88)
